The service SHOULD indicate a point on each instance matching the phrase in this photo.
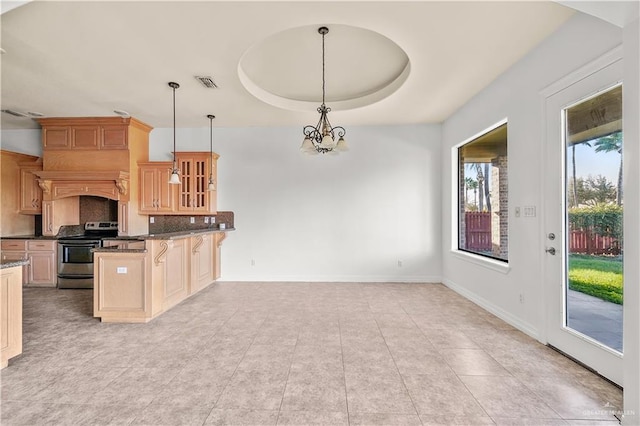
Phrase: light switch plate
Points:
(206, 219)
(152, 219)
(192, 220)
(529, 211)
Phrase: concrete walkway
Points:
(595, 318)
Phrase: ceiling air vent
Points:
(207, 82)
(14, 113)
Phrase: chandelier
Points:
(321, 138)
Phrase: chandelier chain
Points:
(323, 79)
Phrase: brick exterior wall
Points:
(500, 207)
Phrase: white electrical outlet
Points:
(121, 270)
(206, 219)
(152, 219)
(192, 220)
(213, 219)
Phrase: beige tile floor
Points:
(294, 354)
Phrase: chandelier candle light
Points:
(321, 138)
(212, 185)
(175, 172)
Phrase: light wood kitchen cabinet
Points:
(13, 250)
(136, 286)
(55, 213)
(84, 133)
(10, 314)
(114, 137)
(193, 195)
(56, 137)
(156, 193)
(176, 273)
(30, 191)
(85, 137)
(202, 262)
(42, 256)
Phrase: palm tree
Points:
(573, 170)
(470, 184)
(609, 143)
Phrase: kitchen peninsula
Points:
(138, 278)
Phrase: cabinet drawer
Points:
(40, 245)
(13, 245)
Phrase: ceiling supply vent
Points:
(207, 82)
(14, 113)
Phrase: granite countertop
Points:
(181, 234)
(29, 237)
(117, 249)
(11, 263)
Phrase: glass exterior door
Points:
(584, 203)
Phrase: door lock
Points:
(551, 236)
(551, 251)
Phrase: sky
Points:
(589, 162)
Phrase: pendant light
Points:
(212, 185)
(175, 172)
(321, 138)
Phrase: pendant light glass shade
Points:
(175, 172)
(175, 177)
(342, 145)
(211, 186)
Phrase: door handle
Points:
(551, 251)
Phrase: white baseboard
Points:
(334, 278)
(495, 310)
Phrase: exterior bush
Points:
(603, 219)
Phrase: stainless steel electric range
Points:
(75, 258)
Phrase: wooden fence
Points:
(585, 241)
(581, 241)
(477, 231)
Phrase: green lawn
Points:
(597, 276)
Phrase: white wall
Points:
(350, 217)
(516, 95)
(28, 141)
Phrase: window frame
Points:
(494, 263)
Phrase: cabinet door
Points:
(114, 137)
(202, 267)
(175, 286)
(42, 268)
(156, 193)
(164, 190)
(85, 137)
(17, 255)
(147, 189)
(194, 171)
(47, 218)
(11, 318)
(56, 137)
(30, 191)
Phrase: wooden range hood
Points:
(58, 184)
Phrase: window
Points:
(483, 219)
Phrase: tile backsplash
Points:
(164, 224)
(97, 209)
